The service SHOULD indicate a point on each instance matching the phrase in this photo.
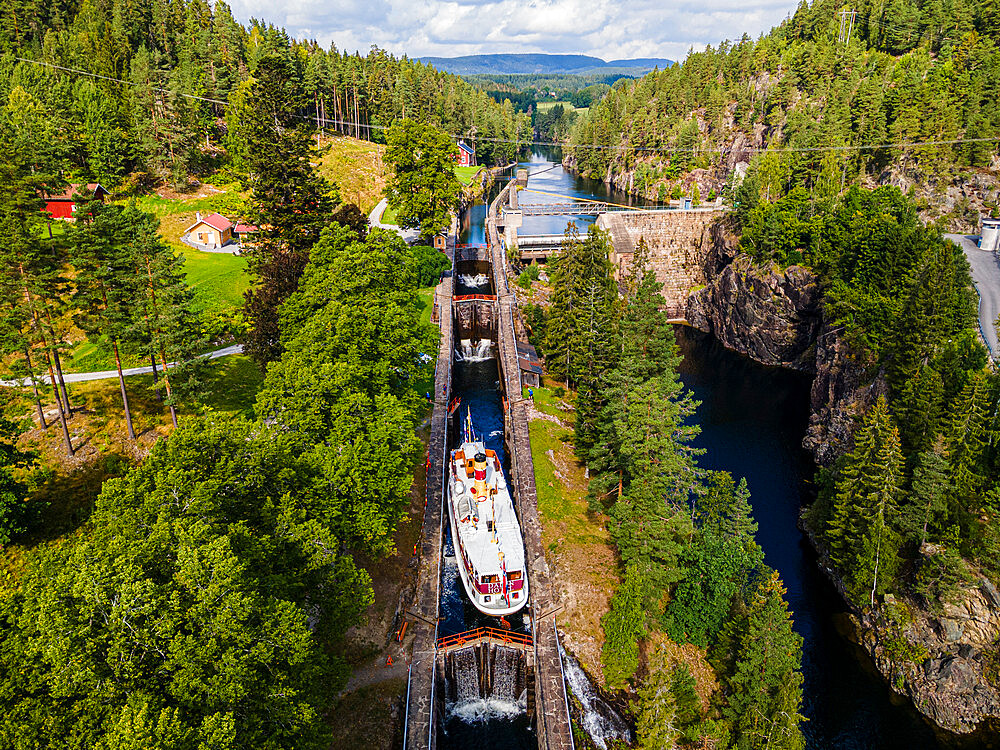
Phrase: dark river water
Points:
(752, 422)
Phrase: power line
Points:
(557, 144)
(77, 71)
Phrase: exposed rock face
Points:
(770, 315)
(942, 667)
(775, 317)
(842, 390)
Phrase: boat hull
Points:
(478, 599)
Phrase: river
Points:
(752, 422)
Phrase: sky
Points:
(610, 29)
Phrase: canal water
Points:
(472, 721)
(752, 422)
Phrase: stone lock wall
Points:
(679, 242)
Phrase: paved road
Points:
(375, 219)
(80, 377)
(986, 273)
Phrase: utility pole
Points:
(846, 26)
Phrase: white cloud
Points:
(609, 29)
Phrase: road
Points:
(986, 274)
(375, 219)
(81, 377)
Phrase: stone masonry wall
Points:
(679, 243)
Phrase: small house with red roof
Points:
(62, 206)
(212, 231)
(466, 154)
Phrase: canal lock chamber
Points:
(484, 689)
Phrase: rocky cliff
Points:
(938, 655)
(935, 654)
(775, 316)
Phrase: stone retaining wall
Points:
(679, 245)
(420, 719)
(552, 717)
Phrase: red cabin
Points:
(62, 206)
(466, 154)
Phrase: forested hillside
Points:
(846, 146)
(157, 77)
(910, 72)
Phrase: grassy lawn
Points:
(356, 167)
(425, 383)
(577, 544)
(465, 174)
(547, 105)
(389, 215)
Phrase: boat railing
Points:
(480, 635)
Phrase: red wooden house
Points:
(466, 154)
(62, 206)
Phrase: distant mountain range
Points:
(541, 64)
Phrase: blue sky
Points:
(605, 28)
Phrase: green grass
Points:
(425, 383)
(356, 167)
(547, 105)
(426, 302)
(389, 215)
(233, 383)
(218, 280)
(465, 174)
(555, 499)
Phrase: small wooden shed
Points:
(529, 364)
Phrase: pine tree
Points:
(657, 722)
(760, 671)
(289, 201)
(918, 409)
(168, 329)
(33, 279)
(624, 626)
(967, 438)
(927, 503)
(105, 283)
(862, 535)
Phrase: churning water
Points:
(479, 351)
(477, 281)
(598, 719)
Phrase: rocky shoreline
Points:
(936, 659)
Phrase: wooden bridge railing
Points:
(492, 635)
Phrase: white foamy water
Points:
(479, 351)
(485, 709)
(474, 282)
(599, 720)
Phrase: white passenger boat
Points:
(484, 528)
